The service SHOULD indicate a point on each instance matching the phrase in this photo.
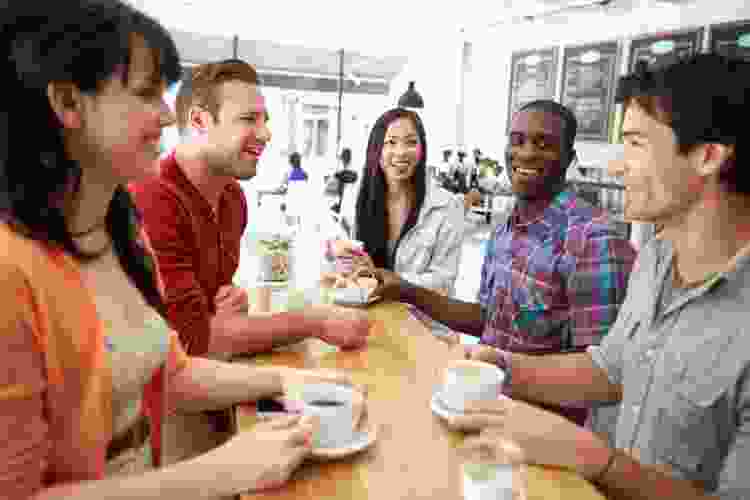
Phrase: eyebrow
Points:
(408, 136)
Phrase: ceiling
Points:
(304, 37)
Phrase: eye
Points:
(516, 139)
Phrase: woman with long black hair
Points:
(89, 369)
(407, 224)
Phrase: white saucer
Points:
(440, 409)
(361, 440)
(355, 303)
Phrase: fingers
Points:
(492, 448)
(280, 423)
(223, 293)
(304, 434)
(475, 422)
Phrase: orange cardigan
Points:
(43, 295)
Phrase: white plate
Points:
(361, 440)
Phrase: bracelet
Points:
(606, 468)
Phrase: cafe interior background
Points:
(330, 68)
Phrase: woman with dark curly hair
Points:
(89, 368)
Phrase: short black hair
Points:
(295, 159)
(570, 124)
(713, 114)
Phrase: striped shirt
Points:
(556, 283)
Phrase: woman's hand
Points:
(541, 437)
(273, 448)
(389, 284)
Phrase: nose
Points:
(264, 133)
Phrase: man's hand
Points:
(340, 326)
(481, 352)
(389, 284)
(542, 437)
(231, 299)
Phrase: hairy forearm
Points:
(556, 379)
(241, 333)
(206, 476)
(627, 479)
(211, 385)
(460, 316)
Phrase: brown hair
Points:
(202, 87)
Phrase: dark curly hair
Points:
(712, 114)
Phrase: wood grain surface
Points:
(414, 456)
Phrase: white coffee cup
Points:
(333, 404)
(470, 380)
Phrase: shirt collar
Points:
(559, 204)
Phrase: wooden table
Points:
(414, 455)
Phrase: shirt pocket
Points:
(690, 425)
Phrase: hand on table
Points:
(525, 433)
(271, 451)
(481, 352)
(231, 299)
(340, 326)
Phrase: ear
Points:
(198, 119)
(67, 102)
(711, 157)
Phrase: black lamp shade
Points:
(411, 98)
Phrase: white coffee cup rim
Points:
(478, 364)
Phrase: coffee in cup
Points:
(469, 380)
(333, 404)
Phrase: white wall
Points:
(433, 65)
(488, 82)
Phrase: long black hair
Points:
(82, 42)
(370, 210)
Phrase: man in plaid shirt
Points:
(556, 271)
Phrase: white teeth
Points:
(526, 171)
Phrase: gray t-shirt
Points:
(684, 372)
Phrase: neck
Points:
(87, 209)
(528, 209)
(709, 235)
(192, 160)
(398, 191)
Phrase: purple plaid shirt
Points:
(555, 284)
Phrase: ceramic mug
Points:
(469, 380)
(333, 404)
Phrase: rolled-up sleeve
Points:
(442, 269)
(188, 308)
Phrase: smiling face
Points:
(402, 150)
(235, 140)
(534, 154)
(660, 183)
(123, 122)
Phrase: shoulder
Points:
(438, 198)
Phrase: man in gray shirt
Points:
(678, 356)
